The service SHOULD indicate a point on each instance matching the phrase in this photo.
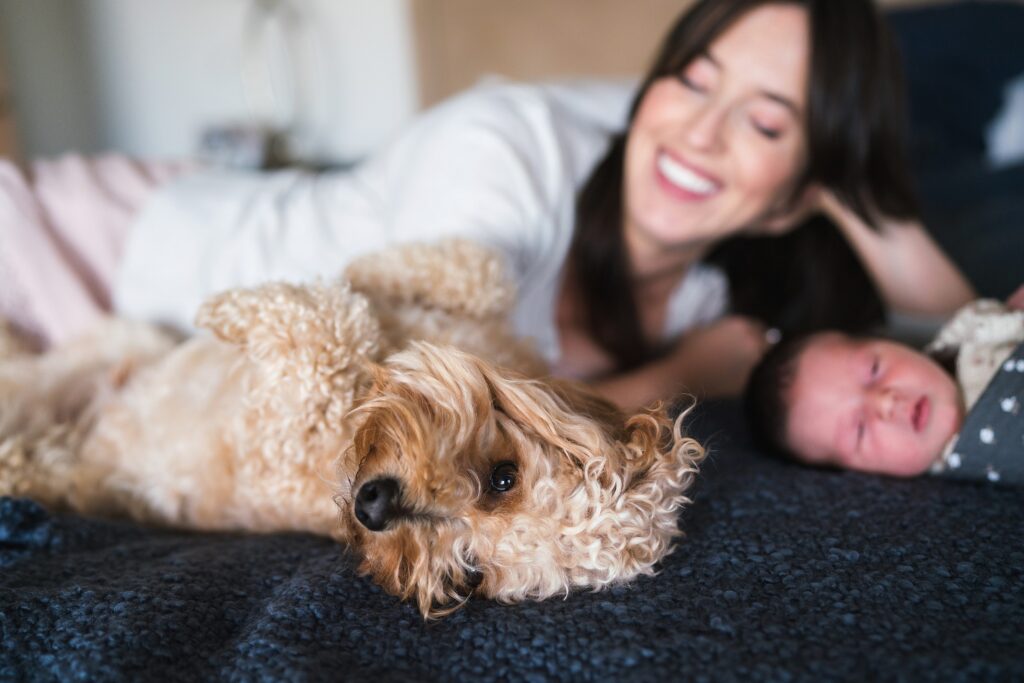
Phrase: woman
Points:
(755, 116)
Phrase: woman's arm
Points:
(1015, 301)
(712, 361)
(911, 272)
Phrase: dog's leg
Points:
(453, 292)
(49, 404)
(454, 276)
(46, 408)
(320, 338)
(12, 343)
(39, 463)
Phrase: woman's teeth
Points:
(684, 178)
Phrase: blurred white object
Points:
(1006, 133)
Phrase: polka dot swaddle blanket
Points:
(990, 445)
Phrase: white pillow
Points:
(1005, 135)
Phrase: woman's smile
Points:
(684, 180)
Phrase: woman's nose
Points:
(705, 128)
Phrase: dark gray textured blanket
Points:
(786, 574)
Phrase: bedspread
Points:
(786, 573)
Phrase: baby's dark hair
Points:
(765, 400)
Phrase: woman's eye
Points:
(503, 477)
(767, 131)
(876, 367)
(691, 84)
(860, 433)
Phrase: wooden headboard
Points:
(459, 41)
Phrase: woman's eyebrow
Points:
(770, 94)
(783, 100)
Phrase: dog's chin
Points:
(435, 596)
(413, 564)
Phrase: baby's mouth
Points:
(922, 410)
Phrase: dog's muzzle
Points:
(377, 503)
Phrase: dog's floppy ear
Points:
(591, 430)
(658, 468)
(635, 474)
(572, 419)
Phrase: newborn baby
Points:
(879, 406)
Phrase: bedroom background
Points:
(787, 573)
(337, 77)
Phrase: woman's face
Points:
(715, 148)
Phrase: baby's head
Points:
(858, 403)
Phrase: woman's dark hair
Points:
(809, 278)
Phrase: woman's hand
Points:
(712, 361)
(1016, 300)
(911, 272)
(812, 201)
(815, 199)
(717, 359)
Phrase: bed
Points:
(785, 573)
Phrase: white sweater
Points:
(500, 164)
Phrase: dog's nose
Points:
(377, 503)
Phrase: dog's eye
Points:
(503, 477)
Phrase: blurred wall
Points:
(459, 40)
(146, 76)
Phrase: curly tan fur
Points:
(12, 343)
(404, 371)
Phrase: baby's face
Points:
(870, 405)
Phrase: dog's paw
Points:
(13, 343)
(14, 463)
(454, 275)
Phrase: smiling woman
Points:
(758, 119)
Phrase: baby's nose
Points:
(890, 404)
